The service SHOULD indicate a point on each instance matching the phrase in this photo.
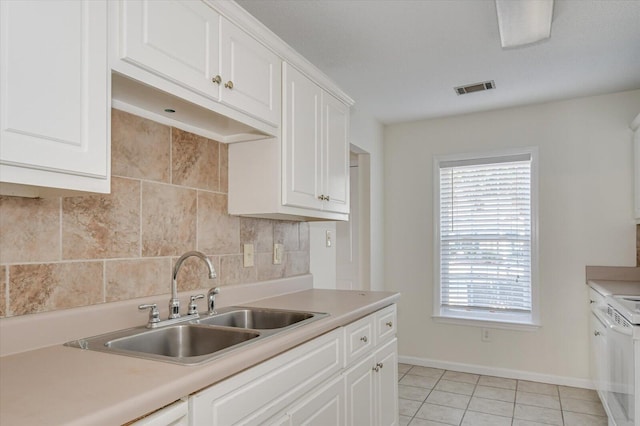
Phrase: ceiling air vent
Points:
(476, 87)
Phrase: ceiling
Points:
(400, 59)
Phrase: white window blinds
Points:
(485, 234)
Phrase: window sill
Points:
(500, 321)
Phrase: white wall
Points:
(366, 133)
(322, 259)
(585, 218)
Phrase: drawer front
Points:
(253, 396)
(386, 323)
(360, 338)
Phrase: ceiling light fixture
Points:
(524, 21)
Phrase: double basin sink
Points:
(201, 339)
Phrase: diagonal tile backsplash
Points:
(169, 195)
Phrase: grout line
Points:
(60, 229)
(466, 410)
(140, 221)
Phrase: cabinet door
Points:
(361, 395)
(598, 352)
(178, 40)
(301, 178)
(251, 74)
(335, 155)
(387, 384)
(323, 407)
(54, 93)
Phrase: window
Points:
(485, 238)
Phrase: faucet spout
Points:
(174, 303)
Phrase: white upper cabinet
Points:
(177, 40)
(55, 99)
(301, 135)
(304, 174)
(251, 74)
(315, 146)
(193, 46)
(335, 155)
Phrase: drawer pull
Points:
(389, 324)
(364, 339)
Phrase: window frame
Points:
(506, 320)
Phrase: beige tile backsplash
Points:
(169, 196)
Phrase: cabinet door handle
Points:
(364, 339)
(389, 324)
(229, 85)
(323, 197)
(376, 368)
(596, 333)
(380, 365)
(327, 198)
(217, 79)
(591, 302)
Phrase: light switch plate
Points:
(329, 238)
(278, 253)
(248, 255)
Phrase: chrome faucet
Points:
(174, 303)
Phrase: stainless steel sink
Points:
(258, 318)
(182, 341)
(186, 344)
(199, 340)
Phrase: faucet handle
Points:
(154, 315)
(193, 306)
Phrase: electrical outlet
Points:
(329, 239)
(248, 255)
(486, 336)
(278, 253)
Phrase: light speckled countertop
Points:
(62, 385)
(607, 288)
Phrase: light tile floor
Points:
(433, 397)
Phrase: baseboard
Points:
(498, 372)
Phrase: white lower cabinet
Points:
(372, 391)
(325, 406)
(316, 383)
(259, 393)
